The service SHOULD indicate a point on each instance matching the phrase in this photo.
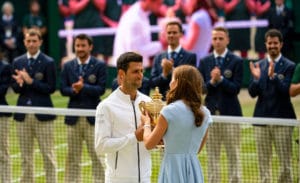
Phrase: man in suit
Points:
(34, 81)
(164, 62)
(5, 165)
(83, 79)
(270, 82)
(295, 83)
(282, 18)
(223, 74)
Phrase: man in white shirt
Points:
(118, 132)
(134, 34)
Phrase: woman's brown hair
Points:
(188, 89)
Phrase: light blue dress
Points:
(182, 141)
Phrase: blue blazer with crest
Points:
(5, 79)
(94, 86)
(273, 94)
(37, 94)
(156, 79)
(224, 94)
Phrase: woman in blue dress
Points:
(183, 126)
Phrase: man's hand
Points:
(139, 132)
(78, 85)
(215, 75)
(167, 66)
(26, 77)
(18, 78)
(255, 70)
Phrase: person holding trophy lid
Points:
(183, 125)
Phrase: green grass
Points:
(248, 151)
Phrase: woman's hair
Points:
(188, 89)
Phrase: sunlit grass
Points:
(248, 150)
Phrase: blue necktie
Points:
(219, 61)
(82, 69)
(173, 55)
(30, 62)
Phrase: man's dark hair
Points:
(124, 60)
(274, 33)
(174, 22)
(84, 37)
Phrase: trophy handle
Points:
(142, 107)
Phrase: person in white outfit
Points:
(118, 132)
(134, 34)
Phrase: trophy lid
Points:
(156, 95)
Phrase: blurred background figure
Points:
(134, 34)
(111, 16)
(259, 10)
(200, 18)
(34, 19)
(236, 10)
(87, 15)
(68, 23)
(5, 162)
(282, 18)
(295, 83)
(10, 33)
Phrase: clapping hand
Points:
(78, 85)
(255, 70)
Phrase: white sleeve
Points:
(140, 41)
(104, 141)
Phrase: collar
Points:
(7, 18)
(276, 59)
(223, 55)
(87, 61)
(280, 8)
(124, 95)
(177, 50)
(33, 56)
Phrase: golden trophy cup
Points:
(153, 107)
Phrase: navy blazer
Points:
(156, 79)
(5, 79)
(43, 73)
(285, 24)
(94, 86)
(273, 94)
(225, 93)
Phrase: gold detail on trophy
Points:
(153, 107)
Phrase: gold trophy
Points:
(153, 107)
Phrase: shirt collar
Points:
(276, 59)
(223, 55)
(177, 50)
(7, 18)
(87, 61)
(280, 8)
(33, 56)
